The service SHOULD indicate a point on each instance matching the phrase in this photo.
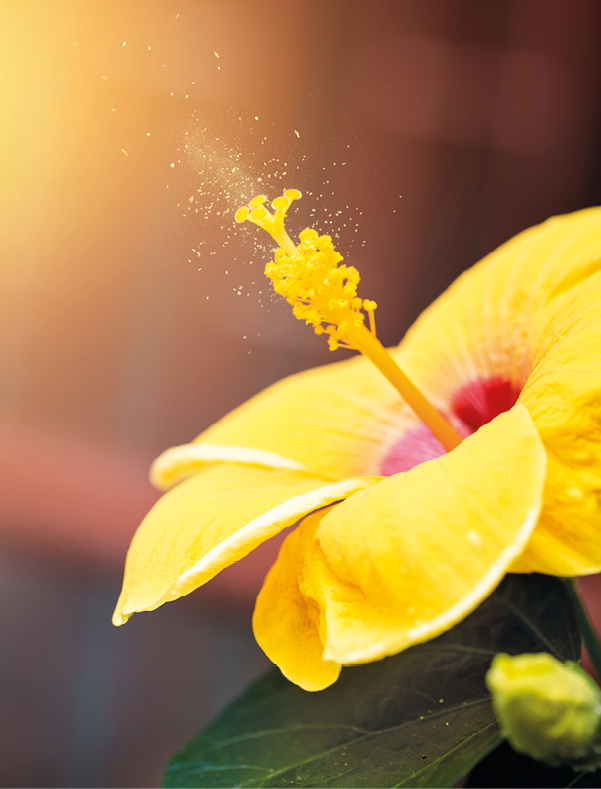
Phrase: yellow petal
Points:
(336, 421)
(413, 555)
(563, 395)
(210, 521)
(530, 313)
(488, 323)
(178, 463)
(286, 622)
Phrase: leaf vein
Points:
(370, 735)
(531, 625)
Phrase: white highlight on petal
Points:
(474, 538)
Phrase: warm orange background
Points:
(485, 117)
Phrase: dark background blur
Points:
(133, 311)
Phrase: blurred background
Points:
(133, 311)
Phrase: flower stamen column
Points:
(324, 294)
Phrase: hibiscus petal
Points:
(210, 521)
(488, 325)
(336, 421)
(286, 621)
(529, 315)
(412, 556)
(563, 395)
(178, 463)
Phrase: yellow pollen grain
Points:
(322, 291)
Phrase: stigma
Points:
(322, 291)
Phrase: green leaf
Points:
(506, 768)
(421, 718)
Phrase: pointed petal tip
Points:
(119, 618)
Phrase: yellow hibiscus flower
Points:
(403, 528)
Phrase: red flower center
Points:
(472, 406)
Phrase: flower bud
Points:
(548, 710)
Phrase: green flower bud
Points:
(548, 710)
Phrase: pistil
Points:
(324, 295)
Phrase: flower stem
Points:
(589, 632)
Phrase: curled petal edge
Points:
(177, 463)
(247, 538)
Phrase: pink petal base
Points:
(472, 406)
